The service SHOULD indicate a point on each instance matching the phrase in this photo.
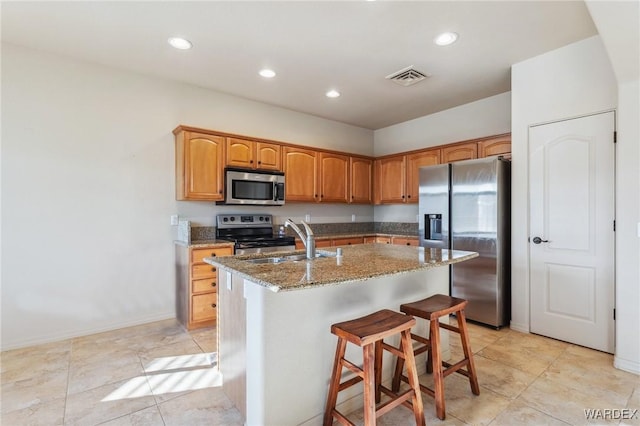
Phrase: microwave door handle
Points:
(275, 191)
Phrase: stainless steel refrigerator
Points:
(466, 206)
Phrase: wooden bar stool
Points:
(432, 309)
(368, 332)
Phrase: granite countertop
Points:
(358, 263)
(205, 243)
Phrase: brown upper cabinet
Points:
(398, 178)
(301, 171)
(390, 179)
(253, 154)
(500, 145)
(361, 180)
(199, 166)
(458, 152)
(414, 162)
(334, 178)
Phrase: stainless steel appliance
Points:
(252, 233)
(255, 187)
(466, 206)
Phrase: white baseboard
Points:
(64, 334)
(626, 365)
(522, 328)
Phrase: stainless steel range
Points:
(252, 233)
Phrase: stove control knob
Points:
(233, 219)
(261, 219)
(225, 219)
(266, 219)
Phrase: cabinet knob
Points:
(403, 196)
(408, 196)
(213, 255)
(250, 161)
(408, 244)
(220, 191)
(213, 305)
(259, 162)
(213, 284)
(213, 269)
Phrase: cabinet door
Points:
(301, 174)
(361, 180)
(200, 176)
(268, 156)
(465, 151)
(495, 146)
(240, 153)
(334, 178)
(392, 179)
(414, 162)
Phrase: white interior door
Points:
(571, 181)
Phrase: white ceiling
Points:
(312, 45)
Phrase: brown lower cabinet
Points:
(197, 286)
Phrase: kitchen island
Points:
(275, 347)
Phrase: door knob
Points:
(538, 240)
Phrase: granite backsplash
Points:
(199, 233)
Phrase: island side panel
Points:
(232, 338)
(291, 349)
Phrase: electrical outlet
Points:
(353, 218)
(174, 219)
(307, 217)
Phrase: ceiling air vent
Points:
(407, 76)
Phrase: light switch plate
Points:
(307, 217)
(353, 218)
(174, 219)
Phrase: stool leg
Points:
(466, 347)
(378, 369)
(395, 384)
(412, 374)
(368, 355)
(334, 385)
(436, 363)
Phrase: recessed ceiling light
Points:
(267, 73)
(332, 94)
(445, 39)
(180, 43)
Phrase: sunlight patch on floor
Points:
(170, 375)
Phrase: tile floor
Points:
(158, 374)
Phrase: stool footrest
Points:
(352, 367)
(455, 368)
(342, 419)
(347, 384)
(423, 388)
(450, 327)
(393, 350)
(393, 403)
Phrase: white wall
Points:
(486, 117)
(564, 83)
(619, 28)
(88, 188)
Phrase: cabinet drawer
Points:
(405, 241)
(198, 254)
(383, 240)
(204, 307)
(206, 285)
(347, 241)
(202, 270)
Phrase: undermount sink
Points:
(290, 258)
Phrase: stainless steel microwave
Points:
(254, 187)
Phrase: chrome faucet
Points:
(309, 241)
